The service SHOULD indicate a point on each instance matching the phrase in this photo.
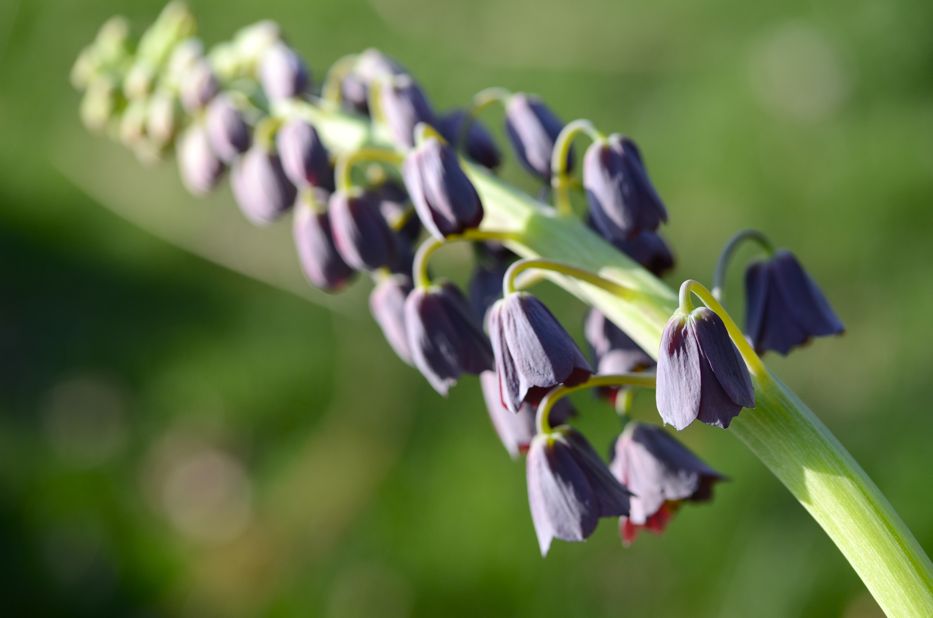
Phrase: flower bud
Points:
(661, 473)
(99, 103)
(199, 167)
(621, 198)
(387, 305)
(533, 129)
(252, 41)
(227, 130)
(404, 105)
(260, 186)
(198, 86)
(371, 66)
(283, 73)
(304, 156)
(445, 340)
(701, 374)
(479, 145)
(516, 429)
(532, 350)
(784, 306)
(570, 488)
(444, 198)
(320, 262)
(362, 236)
(613, 351)
(162, 118)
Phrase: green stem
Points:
(509, 280)
(481, 100)
(542, 417)
(725, 258)
(345, 163)
(561, 180)
(430, 246)
(331, 91)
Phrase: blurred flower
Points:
(227, 131)
(283, 73)
(371, 66)
(305, 159)
(199, 167)
(361, 234)
(613, 351)
(485, 286)
(647, 249)
(784, 306)
(516, 429)
(387, 305)
(260, 186)
(701, 374)
(479, 144)
(533, 129)
(397, 210)
(198, 86)
(404, 105)
(570, 488)
(444, 198)
(532, 350)
(661, 473)
(444, 338)
(621, 198)
(314, 241)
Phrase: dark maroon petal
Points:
(722, 357)
(361, 234)
(509, 381)
(387, 305)
(679, 383)
(805, 300)
(320, 262)
(647, 249)
(611, 495)
(716, 406)
(474, 350)
(533, 129)
(479, 146)
(757, 281)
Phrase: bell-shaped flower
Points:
(371, 66)
(613, 351)
(260, 186)
(701, 374)
(305, 159)
(318, 256)
(532, 350)
(516, 429)
(361, 234)
(647, 249)
(570, 488)
(198, 164)
(404, 105)
(784, 307)
(387, 305)
(621, 198)
(227, 130)
(282, 73)
(444, 338)
(661, 473)
(533, 129)
(443, 196)
(479, 144)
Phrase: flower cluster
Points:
(249, 107)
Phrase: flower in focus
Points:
(532, 350)
(701, 374)
(784, 307)
(570, 488)
(661, 473)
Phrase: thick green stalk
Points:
(781, 431)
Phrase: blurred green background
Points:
(180, 440)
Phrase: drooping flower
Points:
(621, 198)
(661, 473)
(701, 374)
(444, 198)
(533, 129)
(516, 429)
(397, 209)
(570, 488)
(387, 305)
(485, 286)
(404, 105)
(198, 164)
(613, 351)
(227, 130)
(199, 84)
(784, 306)
(361, 234)
(533, 352)
(282, 73)
(647, 249)
(444, 338)
(260, 186)
(371, 66)
(320, 261)
(305, 159)
(479, 144)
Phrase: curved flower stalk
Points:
(153, 96)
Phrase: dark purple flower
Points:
(200, 168)
(397, 210)
(479, 144)
(533, 352)
(647, 249)
(320, 262)
(260, 186)
(784, 306)
(304, 157)
(613, 351)
(701, 374)
(283, 73)
(570, 488)
(371, 66)
(404, 105)
(227, 130)
(444, 198)
(661, 473)
(622, 199)
(445, 340)
(387, 305)
(516, 429)
(198, 86)
(533, 129)
(485, 286)
(361, 234)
